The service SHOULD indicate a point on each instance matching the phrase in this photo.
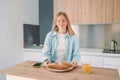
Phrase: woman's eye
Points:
(58, 21)
(61, 21)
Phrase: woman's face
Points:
(61, 23)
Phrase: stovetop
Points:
(117, 51)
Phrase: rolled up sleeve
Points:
(46, 52)
(76, 50)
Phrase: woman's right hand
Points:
(46, 63)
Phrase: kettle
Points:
(112, 45)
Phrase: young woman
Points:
(61, 43)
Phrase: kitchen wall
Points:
(13, 14)
(97, 35)
(112, 32)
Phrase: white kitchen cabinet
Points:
(119, 71)
(32, 55)
(102, 60)
(112, 62)
(11, 77)
(95, 61)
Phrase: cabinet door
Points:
(68, 6)
(91, 11)
(95, 61)
(111, 62)
(59, 5)
(116, 10)
(109, 10)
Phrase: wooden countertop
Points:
(25, 69)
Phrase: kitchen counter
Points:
(96, 52)
(33, 50)
(26, 70)
(83, 51)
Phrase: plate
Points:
(58, 70)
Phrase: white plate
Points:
(58, 70)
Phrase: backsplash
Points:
(97, 35)
(90, 36)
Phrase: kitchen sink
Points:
(117, 51)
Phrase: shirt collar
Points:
(66, 36)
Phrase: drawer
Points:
(111, 61)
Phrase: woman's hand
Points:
(74, 63)
(45, 63)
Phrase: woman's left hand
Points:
(74, 63)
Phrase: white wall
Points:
(13, 13)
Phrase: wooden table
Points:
(25, 71)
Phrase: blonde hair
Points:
(55, 27)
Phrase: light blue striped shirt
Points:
(71, 44)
